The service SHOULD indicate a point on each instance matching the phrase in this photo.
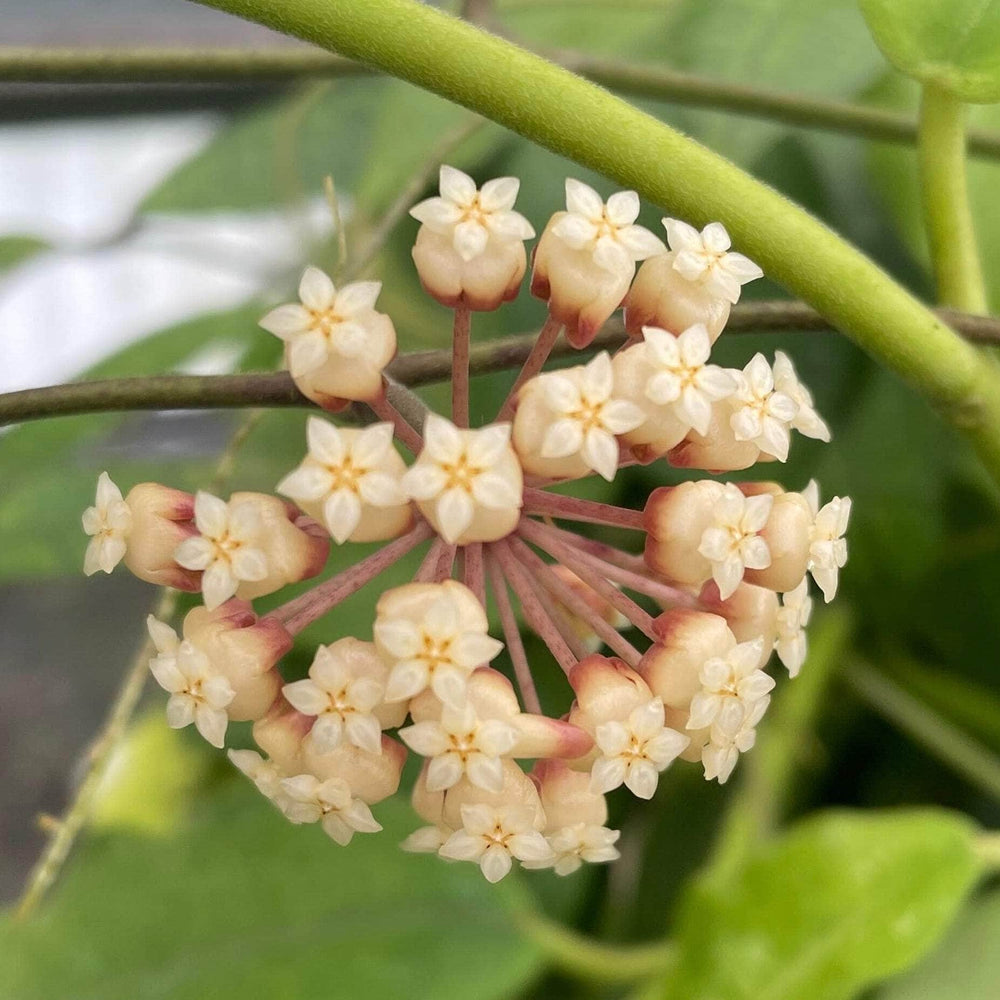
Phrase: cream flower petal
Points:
(316, 289)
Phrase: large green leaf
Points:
(966, 964)
(954, 44)
(243, 905)
(840, 902)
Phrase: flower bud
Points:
(281, 733)
(372, 777)
(662, 296)
(750, 611)
(470, 248)
(294, 545)
(786, 533)
(676, 518)
(162, 518)
(244, 649)
(566, 796)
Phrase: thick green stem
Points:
(947, 213)
(566, 114)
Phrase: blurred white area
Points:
(77, 185)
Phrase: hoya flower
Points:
(730, 684)
(265, 774)
(635, 751)
(807, 421)
(225, 548)
(573, 845)
(197, 694)
(704, 257)
(432, 635)
(349, 481)
(793, 616)
(734, 734)
(732, 543)
(566, 423)
(426, 840)
(336, 344)
(827, 545)
(461, 743)
(470, 217)
(467, 483)
(331, 804)
(108, 523)
(493, 836)
(585, 259)
(342, 699)
(762, 414)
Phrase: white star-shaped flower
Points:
(634, 752)
(327, 322)
(331, 804)
(793, 616)
(265, 774)
(729, 684)
(732, 543)
(704, 257)
(346, 472)
(606, 230)
(341, 701)
(762, 414)
(493, 836)
(472, 217)
(582, 842)
(462, 744)
(807, 421)
(224, 549)
(197, 694)
(588, 417)
(108, 523)
(438, 649)
(827, 545)
(682, 379)
(733, 734)
(468, 483)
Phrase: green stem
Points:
(771, 767)
(658, 83)
(577, 119)
(968, 757)
(947, 213)
(277, 390)
(594, 961)
(988, 849)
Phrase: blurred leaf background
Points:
(219, 899)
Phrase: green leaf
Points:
(965, 966)
(243, 904)
(953, 44)
(16, 250)
(840, 902)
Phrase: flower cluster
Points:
(666, 650)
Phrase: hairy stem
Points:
(575, 118)
(276, 389)
(403, 429)
(576, 509)
(533, 364)
(947, 213)
(460, 367)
